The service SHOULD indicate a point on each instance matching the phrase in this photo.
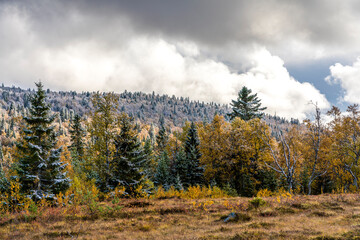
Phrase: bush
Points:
(257, 202)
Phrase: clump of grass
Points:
(321, 214)
(249, 236)
(333, 206)
(256, 203)
(145, 227)
(268, 213)
(172, 210)
(265, 225)
(354, 216)
(285, 210)
(326, 238)
(302, 206)
(138, 204)
(351, 234)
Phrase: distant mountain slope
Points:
(146, 107)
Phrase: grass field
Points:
(298, 217)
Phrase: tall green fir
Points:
(129, 158)
(4, 182)
(41, 172)
(195, 172)
(161, 137)
(77, 134)
(247, 106)
(163, 173)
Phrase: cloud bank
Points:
(170, 49)
(348, 77)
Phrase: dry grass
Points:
(301, 217)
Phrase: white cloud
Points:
(348, 78)
(144, 63)
(280, 92)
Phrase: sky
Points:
(291, 53)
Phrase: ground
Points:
(298, 217)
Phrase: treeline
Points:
(147, 108)
(109, 150)
(142, 106)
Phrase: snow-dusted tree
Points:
(40, 170)
(247, 106)
(127, 166)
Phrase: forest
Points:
(77, 160)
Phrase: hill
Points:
(147, 108)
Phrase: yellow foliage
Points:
(264, 193)
(202, 205)
(14, 201)
(280, 194)
(193, 192)
(81, 192)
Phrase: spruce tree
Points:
(77, 134)
(247, 106)
(150, 165)
(129, 158)
(162, 176)
(181, 167)
(161, 137)
(4, 183)
(195, 171)
(40, 170)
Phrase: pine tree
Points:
(247, 106)
(41, 173)
(162, 176)
(181, 167)
(4, 183)
(195, 172)
(129, 158)
(150, 165)
(77, 134)
(161, 137)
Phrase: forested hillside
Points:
(148, 108)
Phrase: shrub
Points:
(14, 201)
(257, 202)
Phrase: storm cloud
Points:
(206, 50)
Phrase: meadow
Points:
(327, 216)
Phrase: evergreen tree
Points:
(129, 158)
(4, 183)
(162, 176)
(195, 172)
(181, 167)
(41, 173)
(161, 137)
(150, 165)
(247, 106)
(77, 133)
